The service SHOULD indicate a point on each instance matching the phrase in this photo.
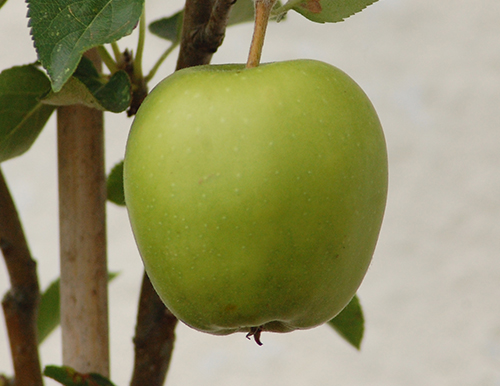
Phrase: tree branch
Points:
(82, 218)
(154, 338)
(203, 30)
(20, 304)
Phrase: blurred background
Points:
(431, 296)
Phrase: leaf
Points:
(243, 11)
(168, 27)
(22, 116)
(69, 377)
(63, 30)
(350, 323)
(87, 87)
(49, 315)
(115, 185)
(328, 11)
(2, 2)
(48, 311)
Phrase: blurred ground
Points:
(432, 70)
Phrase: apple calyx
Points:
(263, 10)
(255, 332)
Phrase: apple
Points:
(256, 195)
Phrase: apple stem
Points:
(263, 10)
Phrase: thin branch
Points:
(20, 304)
(116, 51)
(160, 61)
(140, 46)
(203, 30)
(107, 59)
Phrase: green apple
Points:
(256, 196)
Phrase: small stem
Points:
(107, 59)
(286, 7)
(263, 10)
(116, 51)
(160, 61)
(140, 47)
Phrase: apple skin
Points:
(256, 196)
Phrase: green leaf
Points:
(69, 377)
(168, 27)
(63, 30)
(243, 11)
(22, 116)
(49, 315)
(48, 311)
(115, 185)
(2, 2)
(350, 323)
(87, 87)
(328, 11)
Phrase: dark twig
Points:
(203, 30)
(20, 304)
(154, 338)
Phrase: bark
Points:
(154, 338)
(203, 31)
(82, 199)
(20, 304)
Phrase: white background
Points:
(431, 296)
